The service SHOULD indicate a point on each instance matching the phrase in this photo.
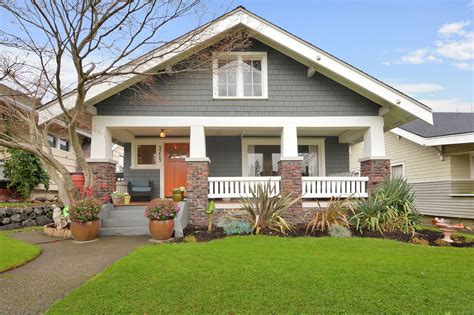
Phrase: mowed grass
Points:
(263, 275)
(14, 253)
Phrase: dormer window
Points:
(240, 75)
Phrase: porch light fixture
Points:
(162, 133)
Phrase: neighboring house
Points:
(281, 110)
(438, 160)
(57, 136)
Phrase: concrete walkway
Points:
(61, 267)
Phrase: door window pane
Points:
(263, 160)
(146, 154)
(310, 159)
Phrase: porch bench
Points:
(139, 187)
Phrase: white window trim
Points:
(402, 164)
(239, 56)
(58, 146)
(276, 141)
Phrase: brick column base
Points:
(377, 171)
(104, 179)
(291, 173)
(197, 196)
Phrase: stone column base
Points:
(377, 170)
(197, 190)
(104, 179)
(291, 173)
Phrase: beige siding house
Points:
(437, 160)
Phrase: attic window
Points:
(240, 75)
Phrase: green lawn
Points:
(259, 274)
(15, 253)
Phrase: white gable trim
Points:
(321, 60)
(435, 141)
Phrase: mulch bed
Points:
(202, 235)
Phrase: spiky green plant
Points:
(265, 209)
(336, 212)
(390, 208)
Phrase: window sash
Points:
(141, 160)
(250, 74)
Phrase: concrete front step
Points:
(130, 207)
(129, 222)
(123, 231)
(125, 214)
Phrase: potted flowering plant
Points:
(117, 198)
(178, 193)
(126, 198)
(161, 214)
(85, 222)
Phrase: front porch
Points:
(224, 159)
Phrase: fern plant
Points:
(266, 209)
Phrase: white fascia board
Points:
(236, 122)
(435, 141)
(290, 42)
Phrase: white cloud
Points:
(455, 43)
(465, 66)
(453, 28)
(462, 49)
(418, 88)
(419, 56)
(448, 105)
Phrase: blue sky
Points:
(398, 42)
(425, 48)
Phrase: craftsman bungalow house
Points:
(281, 111)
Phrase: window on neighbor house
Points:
(263, 160)
(398, 170)
(146, 154)
(63, 145)
(472, 165)
(240, 75)
(52, 141)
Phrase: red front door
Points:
(175, 166)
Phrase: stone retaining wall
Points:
(18, 217)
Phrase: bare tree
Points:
(95, 41)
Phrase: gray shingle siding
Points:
(337, 156)
(290, 93)
(128, 173)
(225, 154)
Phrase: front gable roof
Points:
(396, 107)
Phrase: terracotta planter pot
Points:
(161, 229)
(83, 232)
(78, 180)
(178, 196)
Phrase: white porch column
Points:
(289, 143)
(197, 143)
(374, 141)
(101, 143)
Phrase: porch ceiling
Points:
(128, 134)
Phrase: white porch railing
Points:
(236, 187)
(327, 187)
